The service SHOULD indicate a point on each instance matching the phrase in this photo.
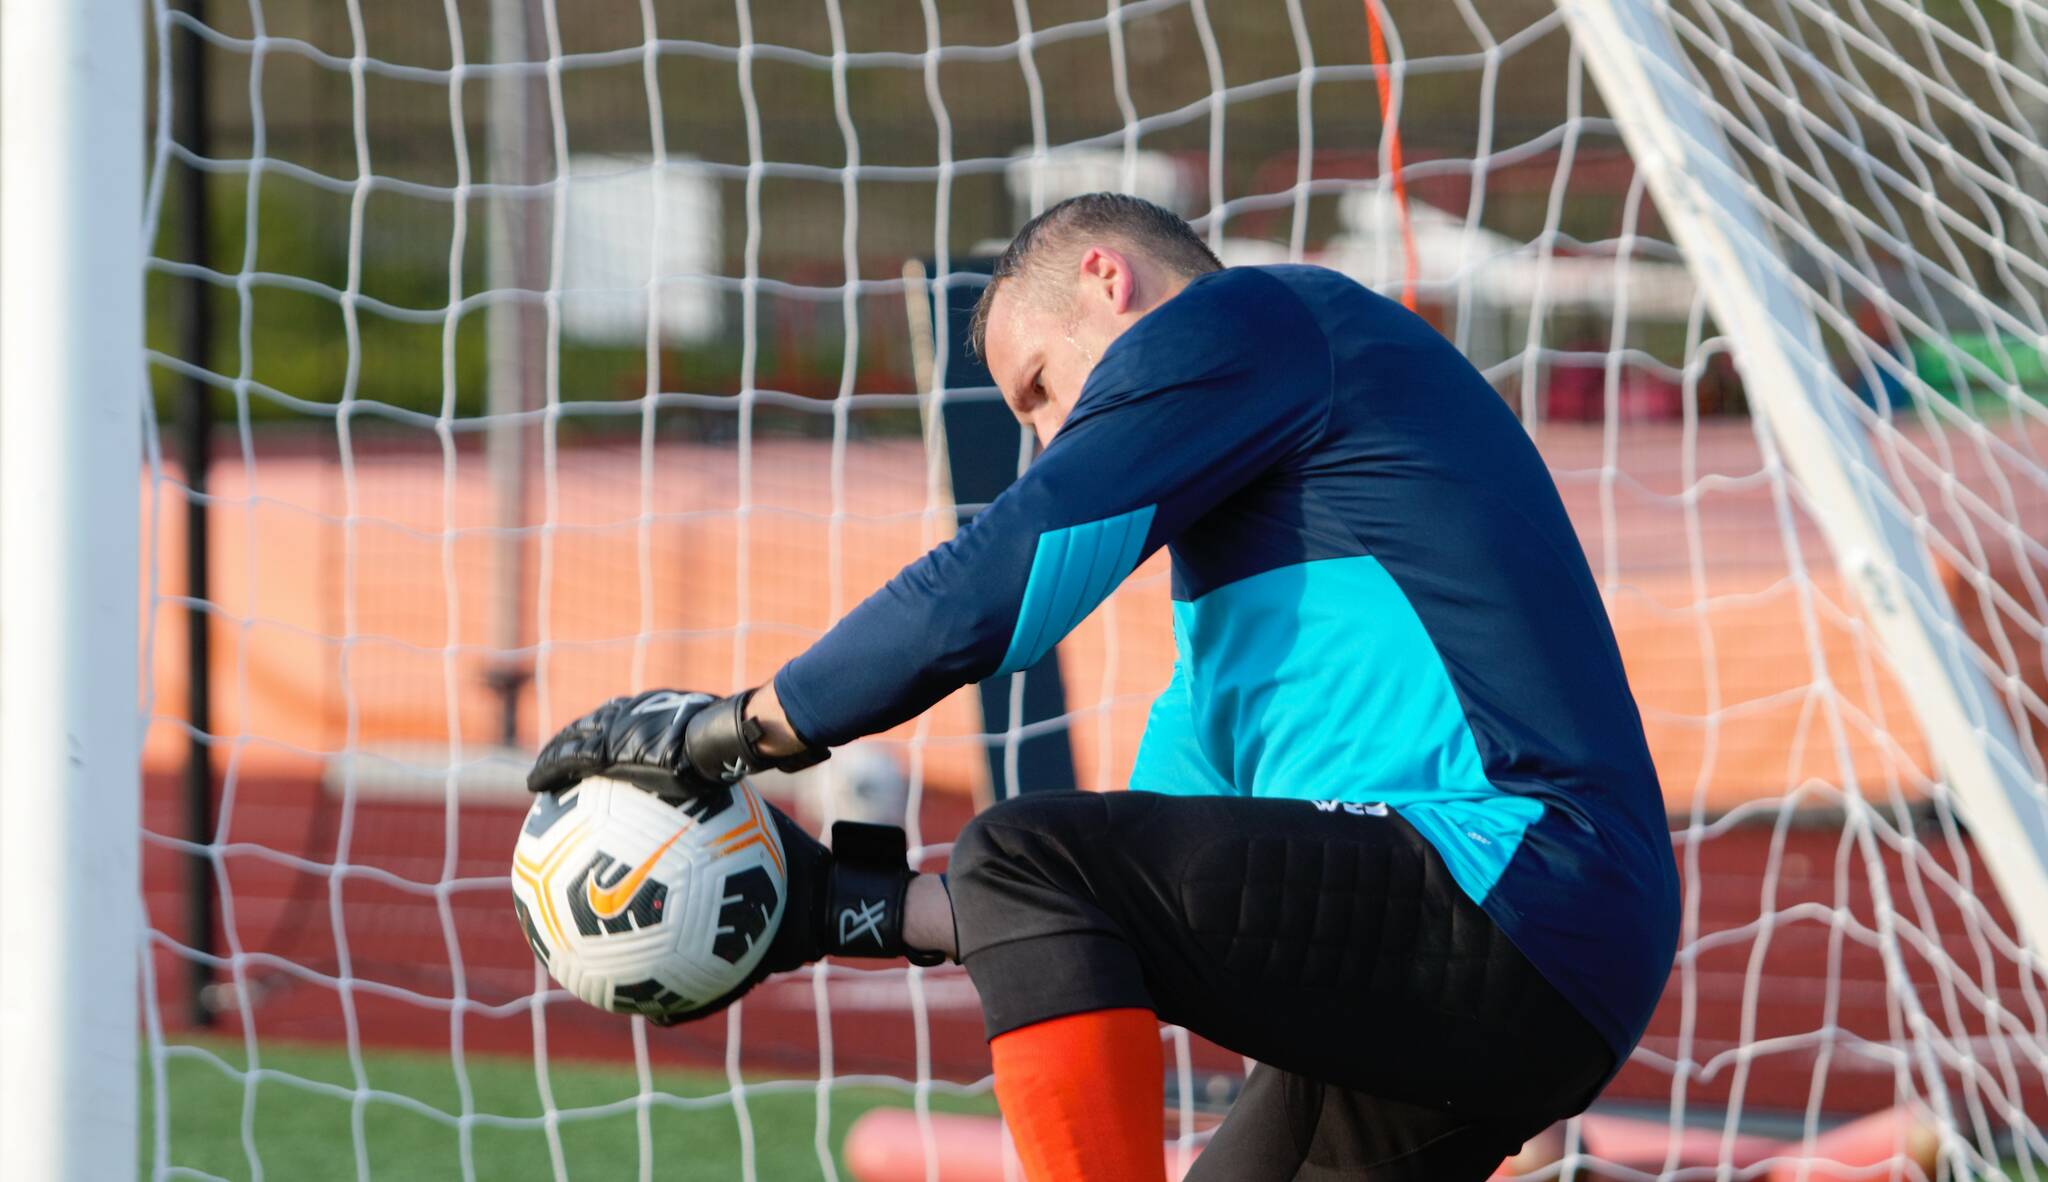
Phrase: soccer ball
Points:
(641, 906)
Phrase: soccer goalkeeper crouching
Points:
(1393, 830)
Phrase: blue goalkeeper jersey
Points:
(1377, 598)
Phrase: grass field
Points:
(308, 1122)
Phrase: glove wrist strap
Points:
(869, 886)
(722, 744)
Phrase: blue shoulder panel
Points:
(1073, 570)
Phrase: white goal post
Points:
(71, 379)
(1746, 281)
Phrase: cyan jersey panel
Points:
(1317, 681)
(1170, 759)
(1072, 571)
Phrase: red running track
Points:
(434, 968)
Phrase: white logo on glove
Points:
(864, 921)
(670, 700)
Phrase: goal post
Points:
(1744, 276)
(71, 382)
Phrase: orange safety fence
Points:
(356, 610)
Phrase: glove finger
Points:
(575, 752)
(565, 756)
(648, 729)
(658, 780)
(562, 771)
(562, 764)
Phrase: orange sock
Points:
(1083, 1096)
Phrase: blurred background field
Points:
(504, 423)
(314, 1113)
(396, 236)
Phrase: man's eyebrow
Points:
(1016, 370)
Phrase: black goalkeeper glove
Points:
(844, 901)
(675, 744)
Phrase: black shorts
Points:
(1400, 1034)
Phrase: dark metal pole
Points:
(195, 447)
(516, 332)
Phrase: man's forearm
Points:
(928, 923)
(778, 738)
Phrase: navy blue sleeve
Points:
(1218, 386)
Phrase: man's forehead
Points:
(1008, 340)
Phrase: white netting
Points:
(564, 350)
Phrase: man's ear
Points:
(1109, 271)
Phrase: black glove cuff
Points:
(869, 887)
(723, 745)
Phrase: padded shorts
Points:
(1400, 1034)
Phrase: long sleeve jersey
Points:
(1378, 598)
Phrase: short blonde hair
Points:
(1154, 230)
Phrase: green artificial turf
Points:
(308, 1122)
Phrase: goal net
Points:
(546, 352)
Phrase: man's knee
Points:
(1017, 857)
(1035, 937)
(1020, 834)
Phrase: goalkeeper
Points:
(1393, 829)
